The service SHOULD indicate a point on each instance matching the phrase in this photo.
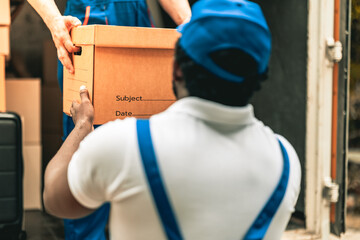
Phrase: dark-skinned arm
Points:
(58, 199)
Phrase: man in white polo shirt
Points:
(205, 168)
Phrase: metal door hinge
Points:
(333, 50)
(331, 190)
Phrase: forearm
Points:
(47, 10)
(58, 199)
(179, 10)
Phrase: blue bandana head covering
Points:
(226, 24)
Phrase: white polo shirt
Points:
(219, 165)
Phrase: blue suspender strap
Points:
(263, 220)
(155, 182)
(172, 231)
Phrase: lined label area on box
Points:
(136, 99)
(125, 98)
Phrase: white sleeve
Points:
(97, 163)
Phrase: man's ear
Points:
(177, 72)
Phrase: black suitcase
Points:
(11, 177)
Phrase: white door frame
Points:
(318, 117)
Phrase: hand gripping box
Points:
(127, 70)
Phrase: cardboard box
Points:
(127, 70)
(23, 97)
(2, 84)
(4, 40)
(32, 176)
(5, 12)
(4, 27)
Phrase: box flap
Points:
(83, 35)
(4, 12)
(127, 37)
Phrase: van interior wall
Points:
(281, 103)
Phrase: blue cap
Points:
(226, 24)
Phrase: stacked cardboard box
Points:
(39, 104)
(23, 97)
(127, 70)
(2, 84)
(4, 47)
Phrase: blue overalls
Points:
(171, 229)
(112, 12)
